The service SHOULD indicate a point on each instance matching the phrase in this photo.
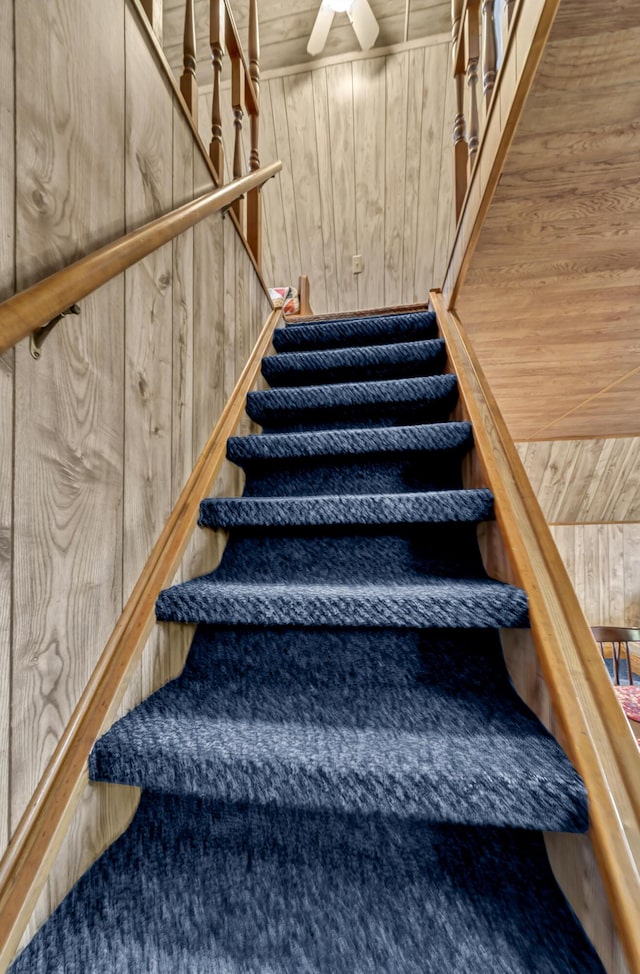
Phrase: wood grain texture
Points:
(148, 327)
(365, 141)
(561, 239)
(341, 111)
(69, 420)
(299, 104)
(370, 140)
(602, 561)
(73, 117)
(285, 28)
(7, 285)
(39, 836)
(587, 718)
(578, 481)
(397, 92)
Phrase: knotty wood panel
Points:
(603, 561)
(558, 253)
(118, 381)
(69, 421)
(7, 276)
(593, 481)
(285, 28)
(148, 325)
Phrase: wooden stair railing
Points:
(40, 832)
(574, 696)
(245, 88)
(25, 313)
(474, 55)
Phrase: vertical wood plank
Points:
(272, 195)
(433, 105)
(7, 282)
(299, 104)
(370, 153)
(325, 170)
(283, 150)
(445, 219)
(69, 418)
(182, 419)
(208, 335)
(149, 329)
(412, 172)
(340, 102)
(394, 196)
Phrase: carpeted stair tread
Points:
(359, 364)
(429, 728)
(445, 505)
(195, 888)
(385, 329)
(366, 402)
(335, 443)
(462, 603)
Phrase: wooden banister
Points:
(24, 313)
(38, 837)
(592, 727)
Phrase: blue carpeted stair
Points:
(343, 779)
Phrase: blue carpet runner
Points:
(342, 780)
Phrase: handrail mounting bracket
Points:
(38, 337)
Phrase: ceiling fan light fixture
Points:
(338, 6)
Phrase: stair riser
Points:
(354, 475)
(405, 554)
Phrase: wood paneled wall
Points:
(589, 491)
(107, 425)
(366, 148)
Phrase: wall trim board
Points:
(375, 52)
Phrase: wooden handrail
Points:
(24, 313)
(594, 730)
(25, 865)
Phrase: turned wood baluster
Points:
(459, 134)
(489, 52)
(188, 80)
(216, 146)
(254, 197)
(236, 102)
(473, 57)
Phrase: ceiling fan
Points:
(362, 20)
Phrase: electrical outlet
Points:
(357, 264)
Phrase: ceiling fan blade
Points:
(364, 23)
(321, 29)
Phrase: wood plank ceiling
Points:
(552, 298)
(285, 26)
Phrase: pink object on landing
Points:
(629, 699)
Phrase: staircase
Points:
(343, 778)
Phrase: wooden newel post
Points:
(473, 57)
(188, 79)
(216, 146)
(460, 151)
(254, 197)
(489, 53)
